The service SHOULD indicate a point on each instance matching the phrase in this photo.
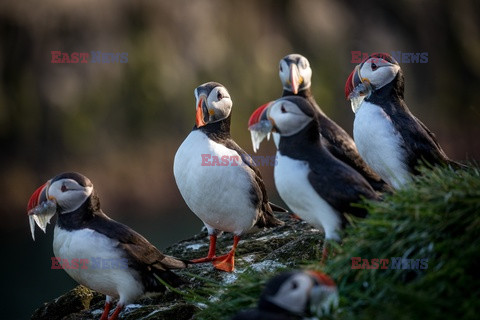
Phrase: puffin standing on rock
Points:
(295, 74)
(102, 254)
(314, 184)
(388, 136)
(217, 179)
(294, 295)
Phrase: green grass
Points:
(437, 218)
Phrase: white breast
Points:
(88, 244)
(219, 195)
(379, 144)
(291, 180)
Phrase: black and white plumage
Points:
(294, 295)
(314, 184)
(228, 195)
(295, 74)
(83, 231)
(388, 136)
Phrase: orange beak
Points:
(295, 78)
(199, 114)
(37, 197)
(322, 278)
(258, 114)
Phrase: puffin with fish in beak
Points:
(83, 231)
(314, 184)
(296, 76)
(388, 136)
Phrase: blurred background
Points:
(120, 124)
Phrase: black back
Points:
(420, 144)
(336, 182)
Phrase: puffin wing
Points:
(139, 251)
(340, 186)
(342, 146)
(423, 143)
(259, 192)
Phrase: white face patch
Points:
(378, 72)
(284, 73)
(294, 293)
(219, 104)
(68, 194)
(288, 117)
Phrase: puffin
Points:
(295, 74)
(388, 136)
(217, 179)
(101, 253)
(293, 295)
(313, 183)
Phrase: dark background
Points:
(120, 124)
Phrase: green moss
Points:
(435, 218)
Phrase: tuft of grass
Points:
(437, 217)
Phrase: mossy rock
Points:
(265, 251)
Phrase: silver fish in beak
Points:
(259, 131)
(357, 96)
(259, 126)
(41, 215)
(40, 209)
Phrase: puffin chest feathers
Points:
(291, 180)
(380, 144)
(89, 244)
(219, 192)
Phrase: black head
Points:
(375, 73)
(68, 190)
(301, 293)
(290, 115)
(213, 103)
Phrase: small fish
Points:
(41, 215)
(357, 96)
(258, 132)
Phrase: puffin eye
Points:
(294, 285)
(63, 188)
(374, 66)
(219, 96)
(283, 109)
